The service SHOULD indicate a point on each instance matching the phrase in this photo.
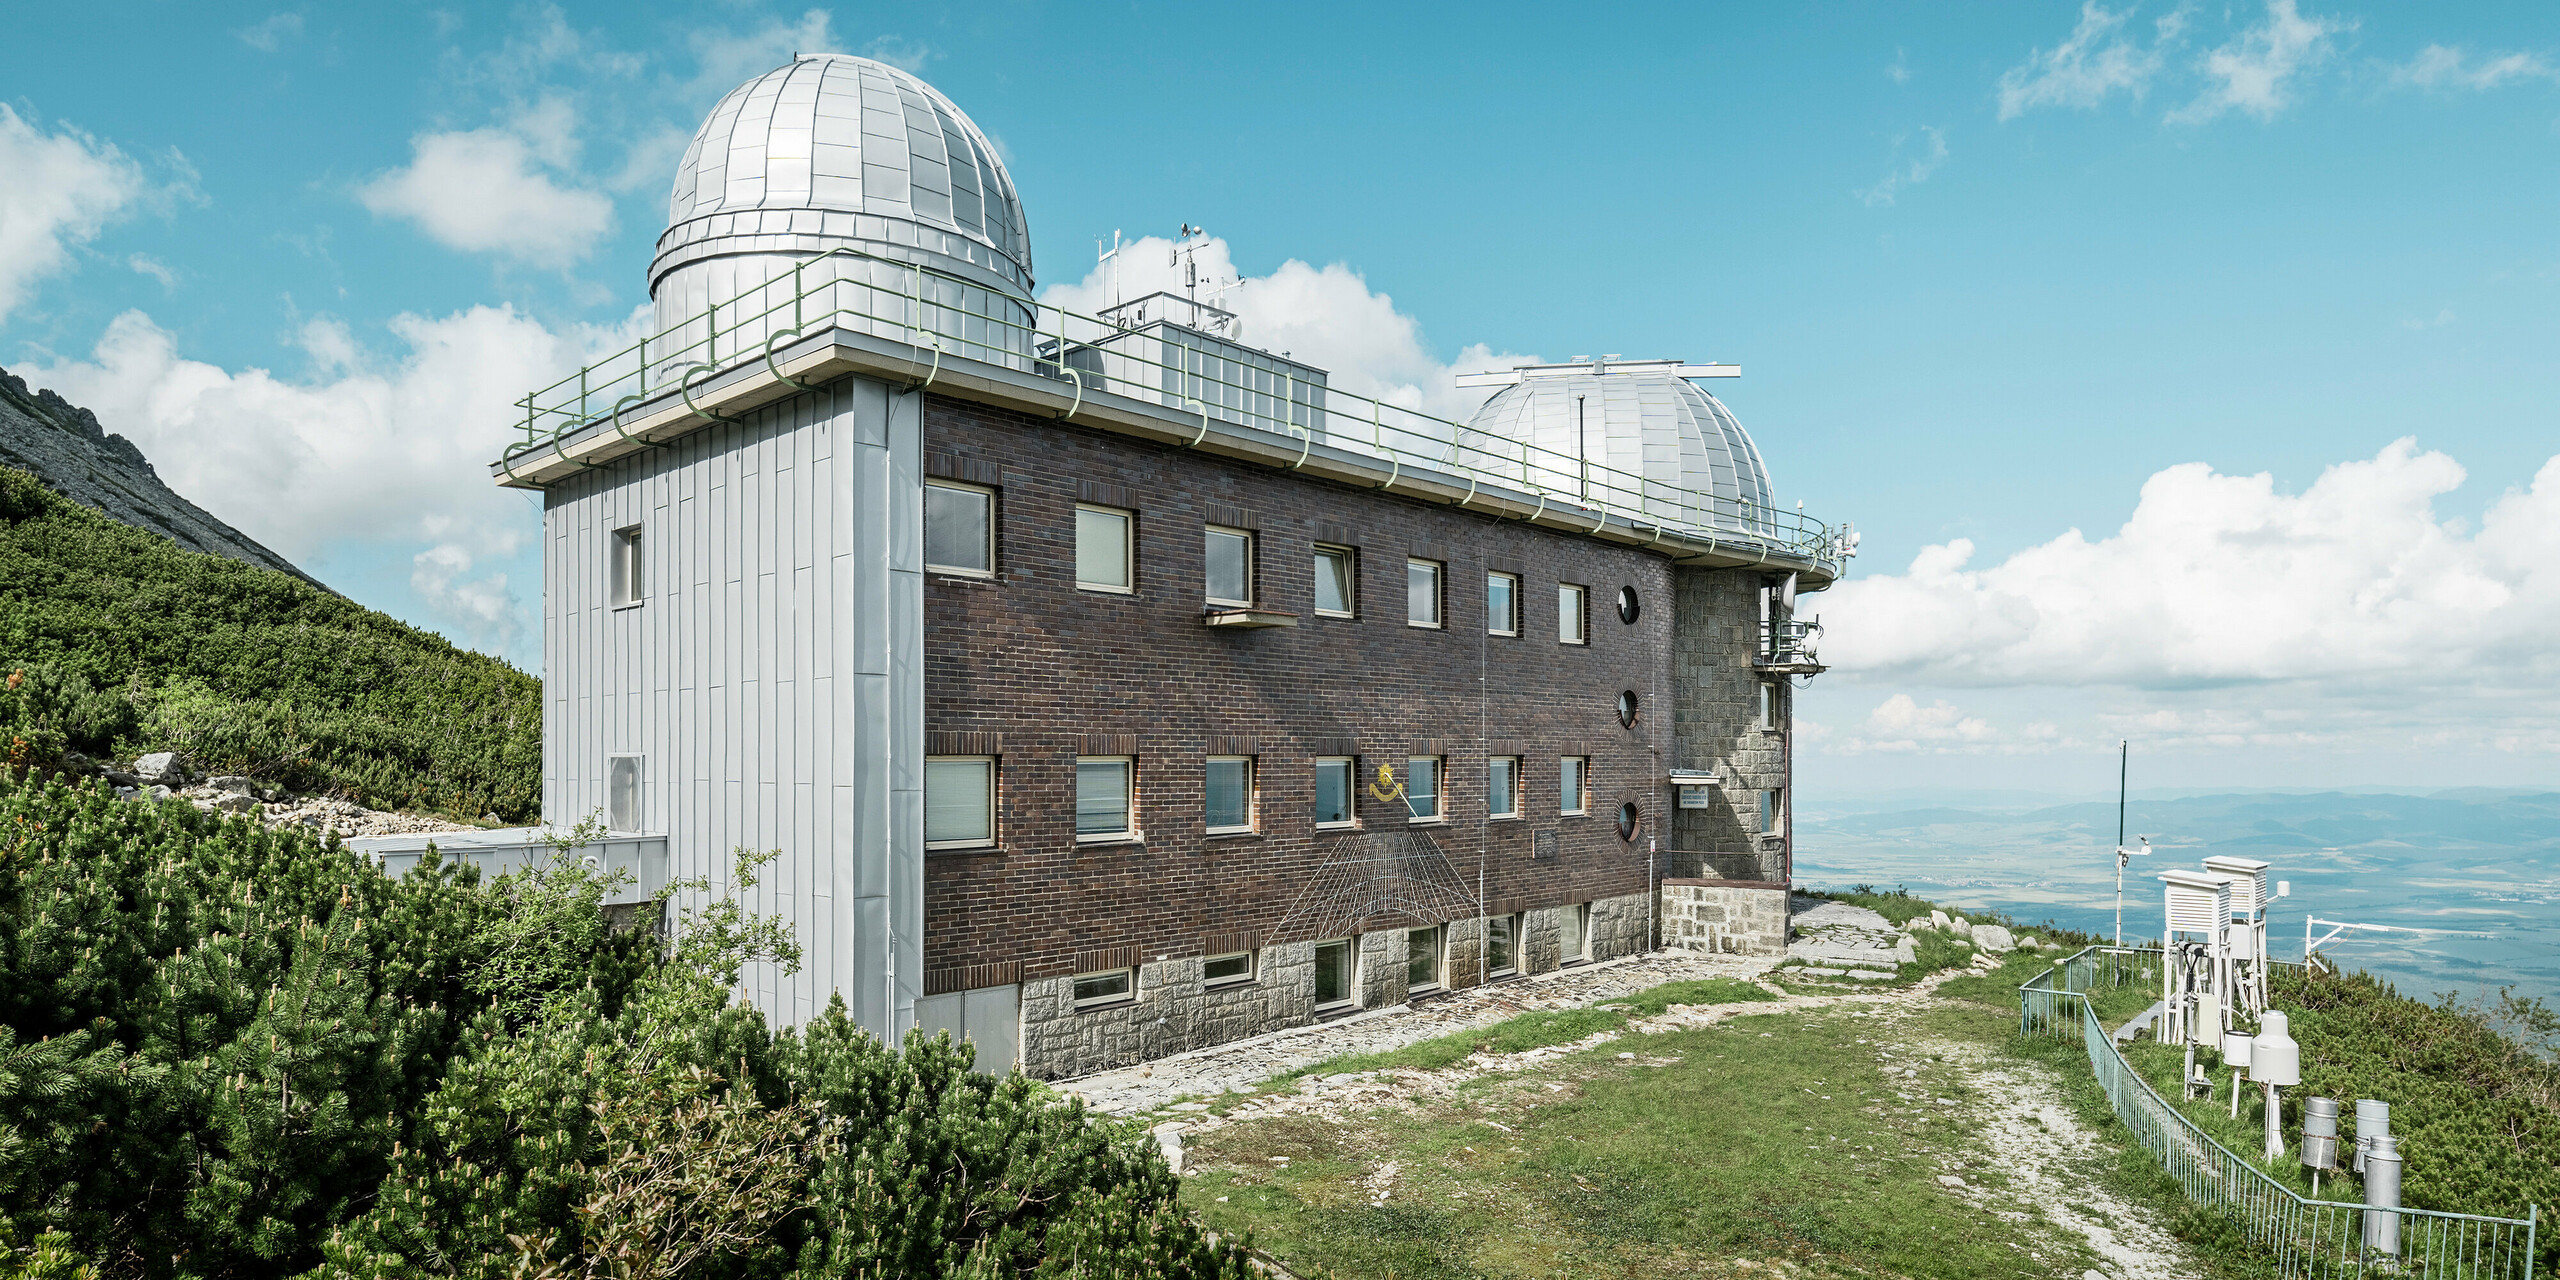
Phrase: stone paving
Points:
(1836, 940)
(1238, 1067)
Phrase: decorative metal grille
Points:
(1377, 877)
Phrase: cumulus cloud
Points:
(509, 190)
(1326, 316)
(1929, 155)
(726, 58)
(1903, 725)
(370, 446)
(2255, 70)
(2220, 580)
(63, 188)
(2448, 67)
(2097, 60)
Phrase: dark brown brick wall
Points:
(1031, 658)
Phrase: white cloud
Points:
(725, 59)
(1899, 70)
(145, 264)
(1903, 725)
(484, 609)
(370, 447)
(1910, 172)
(2353, 586)
(906, 55)
(2252, 72)
(1326, 316)
(270, 35)
(2095, 61)
(61, 190)
(507, 190)
(2448, 67)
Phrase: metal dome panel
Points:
(1635, 422)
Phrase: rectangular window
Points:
(1575, 942)
(1773, 812)
(1234, 967)
(1230, 567)
(1773, 706)
(1228, 790)
(959, 801)
(1501, 604)
(1422, 958)
(1571, 622)
(1502, 944)
(1575, 792)
(1335, 576)
(959, 529)
(1422, 593)
(1422, 787)
(1103, 549)
(1334, 780)
(1333, 973)
(1110, 986)
(1105, 789)
(1502, 787)
(622, 793)
(628, 585)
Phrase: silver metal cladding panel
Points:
(767, 678)
(1639, 419)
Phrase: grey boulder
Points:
(159, 766)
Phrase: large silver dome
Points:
(838, 152)
(1655, 440)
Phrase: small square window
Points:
(1336, 582)
(959, 529)
(1106, 792)
(1572, 621)
(1502, 944)
(1501, 604)
(1575, 940)
(1227, 970)
(1229, 559)
(1773, 811)
(1335, 777)
(1110, 986)
(1104, 549)
(1502, 787)
(1228, 794)
(1422, 787)
(622, 793)
(959, 801)
(628, 585)
(1334, 985)
(1575, 792)
(1422, 958)
(1422, 593)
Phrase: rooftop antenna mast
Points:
(2124, 768)
(1109, 259)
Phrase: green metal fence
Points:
(2311, 1238)
(942, 317)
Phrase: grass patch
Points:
(1701, 991)
(1514, 1035)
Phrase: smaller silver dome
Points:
(1656, 441)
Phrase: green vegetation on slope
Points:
(124, 643)
(228, 1052)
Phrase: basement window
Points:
(1334, 987)
(1107, 987)
(1574, 944)
(1422, 958)
(628, 586)
(1502, 945)
(1227, 970)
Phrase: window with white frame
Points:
(1573, 940)
(1337, 579)
(1227, 970)
(626, 582)
(1422, 788)
(1422, 593)
(959, 529)
(1227, 794)
(1422, 958)
(1502, 604)
(1773, 705)
(1574, 792)
(1773, 811)
(1334, 781)
(1335, 961)
(1106, 798)
(959, 801)
(1502, 944)
(622, 793)
(1106, 545)
(1106, 987)
(1229, 559)
(1502, 787)
(1573, 623)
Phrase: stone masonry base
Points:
(1729, 917)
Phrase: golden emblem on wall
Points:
(1386, 788)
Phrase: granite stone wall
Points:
(1718, 726)
(1724, 917)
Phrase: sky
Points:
(2186, 369)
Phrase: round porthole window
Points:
(1630, 819)
(1629, 608)
(1627, 708)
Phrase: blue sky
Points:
(1995, 273)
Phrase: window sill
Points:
(1345, 617)
(985, 847)
(1502, 817)
(1426, 822)
(1106, 591)
(1342, 1009)
(628, 604)
(1503, 635)
(1335, 828)
(964, 575)
(1424, 626)
(1577, 813)
(1113, 837)
(1239, 833)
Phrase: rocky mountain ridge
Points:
(64, 445)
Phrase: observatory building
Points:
(1111, 687)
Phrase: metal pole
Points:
(1582, 448)
(1652, 894)
(1484, 929)
(2124, 764)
